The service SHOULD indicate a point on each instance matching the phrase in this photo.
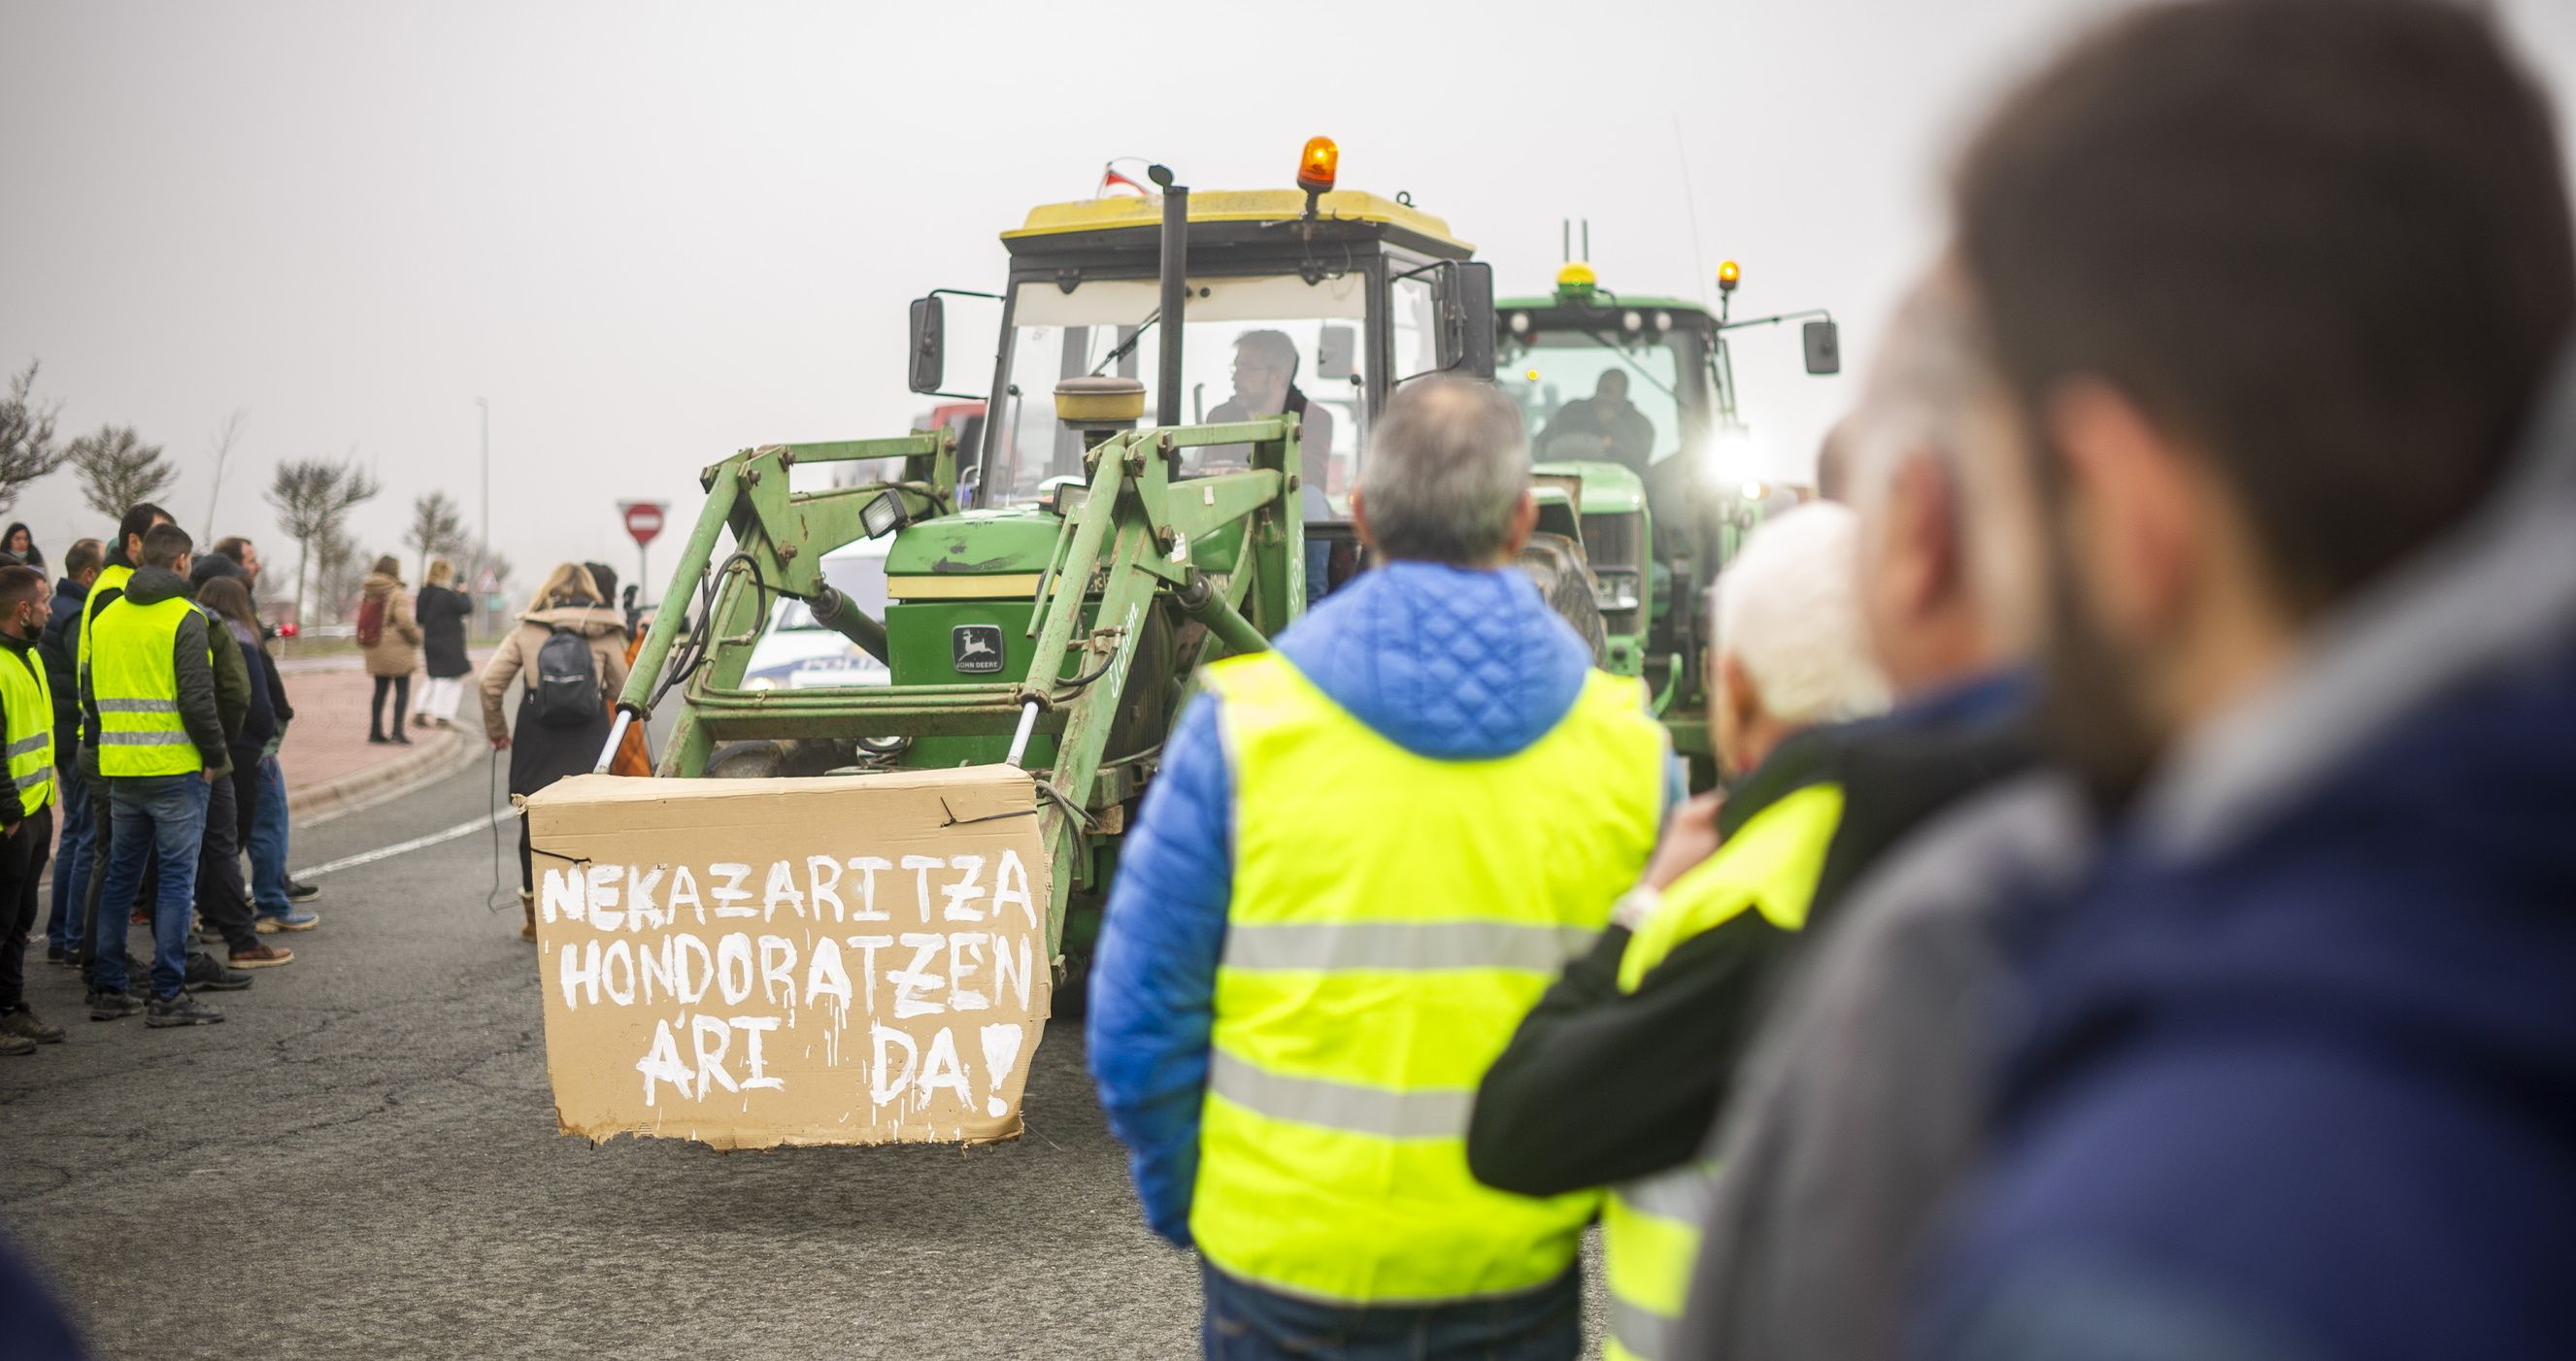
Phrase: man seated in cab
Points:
(1605, 425)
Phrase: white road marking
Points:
(345, 862)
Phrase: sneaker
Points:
(378, 739)
(262, 956)
(400, 738)
(108, 1005)
(12, 1046)
(420, 720)
(25, 1024)
(55, 954)
(301, 893)
(204, 972)
(270, 923)
(180, 1010)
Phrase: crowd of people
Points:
(2136, 919)
(143, 714)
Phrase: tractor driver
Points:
(1265, 384)
(1603, 425)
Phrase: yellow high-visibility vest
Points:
(112, 577)
(1393, 919)
(1650, 1230)
(136, 689)
(27, 699)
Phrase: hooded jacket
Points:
(2299, 1073)
(194, 664)
(396, 651)
(1448, 663)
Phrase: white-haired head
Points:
(1792, 650)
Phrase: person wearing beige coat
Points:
(541, 754)
(394, 653)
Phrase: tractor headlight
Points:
(882, 516)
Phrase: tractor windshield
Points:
(1252, 346)
(1590, 396)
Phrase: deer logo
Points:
(976, 649)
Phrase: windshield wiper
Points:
(1128, 346)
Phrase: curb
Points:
(438, 753)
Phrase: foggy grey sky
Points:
(654, 234)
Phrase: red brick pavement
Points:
(329, 737)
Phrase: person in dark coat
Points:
(442, 611)
(61, 640)
(541, 754)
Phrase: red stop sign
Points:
(643, 519)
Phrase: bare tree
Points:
(312, 496)
(226, 437)
(437, 530)
(118, 470)
(338, 571)
(27, 447)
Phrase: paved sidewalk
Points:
(327, 757)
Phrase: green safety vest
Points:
(1372, 974)
(137, 689)
(27, 699)
(1650, 1227)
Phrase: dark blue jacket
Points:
(2298, 1073)
(60, 647)
(1448, 663)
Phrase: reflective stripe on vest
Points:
(1393, 918)
(136, 688)
(27, 701)
(1650, 1229)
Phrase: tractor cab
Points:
(1630, 399)
(1314, 302)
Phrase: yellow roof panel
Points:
(1230, 205)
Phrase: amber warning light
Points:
(1316, 169)
(1728, 276)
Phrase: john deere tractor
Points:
(1179, 401)
(1631, 399)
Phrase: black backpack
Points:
(566, 693)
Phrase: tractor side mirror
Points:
(930, 345)
(1337, 354)
(1824, 347)
(1468, 313)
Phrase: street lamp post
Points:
(482, 604)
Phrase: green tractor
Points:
(1178, 406)
(1630, 403)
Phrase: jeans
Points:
(102, 837)
(268, 842)
(1247, 1323)
(157, 820)
(64, 929)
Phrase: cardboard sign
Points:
(746, 963)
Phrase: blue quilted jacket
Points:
(1446, 662)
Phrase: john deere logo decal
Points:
(975, 649)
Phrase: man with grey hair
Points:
(1619, 1071)
(1365, 854)
(1857, 1098)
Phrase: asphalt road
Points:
(362, 1161)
